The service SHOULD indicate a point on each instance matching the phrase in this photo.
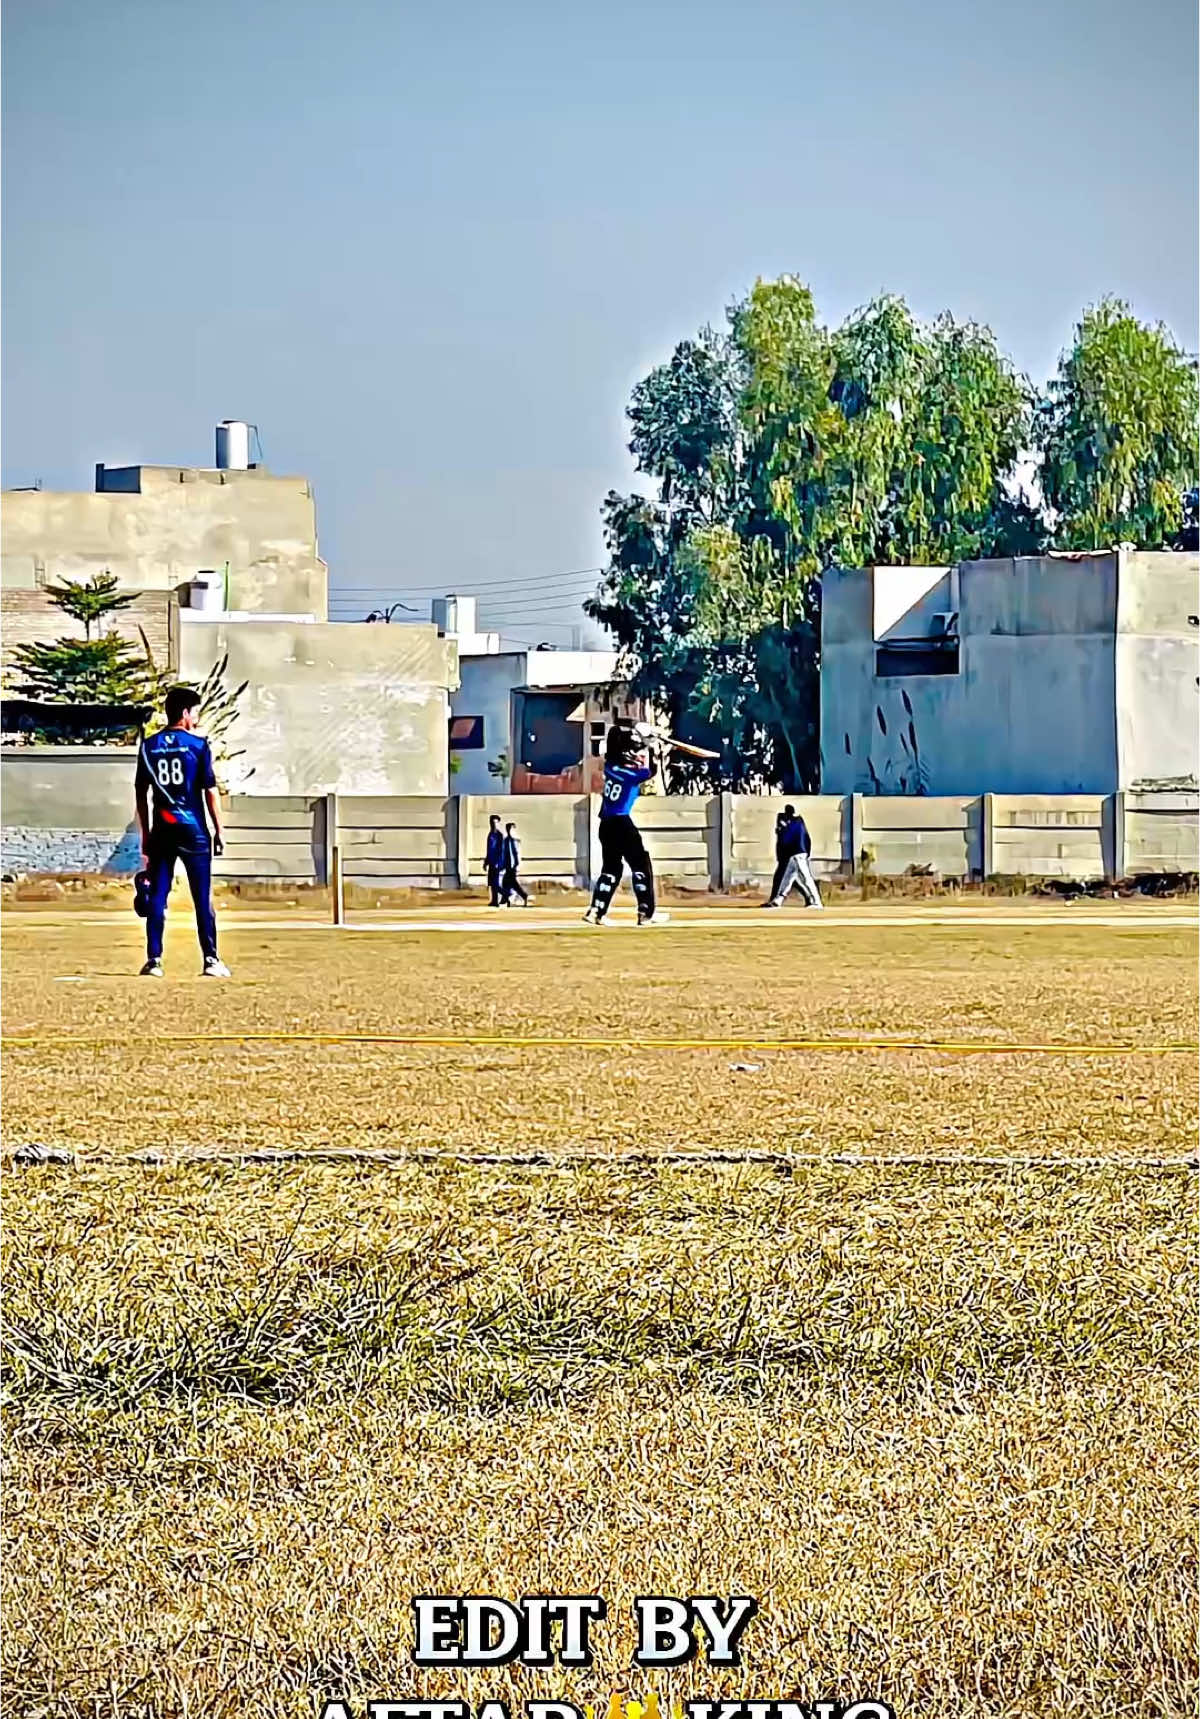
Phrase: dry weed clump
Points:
(537, 1309)
(938, 1423)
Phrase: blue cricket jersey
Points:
(621, 788)
(177, 766)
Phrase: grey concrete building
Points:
(227, 563)
(1058, 674)
(156, 527)
(331, 707)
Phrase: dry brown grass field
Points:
(602, 1318)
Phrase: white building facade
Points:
(1056, 674)
(527, 721)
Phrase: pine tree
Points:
(87, 603)
(104, 669)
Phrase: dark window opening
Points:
(466, 734)
(597, 732)
(548, 742)
(916, 656)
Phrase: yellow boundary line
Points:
(617, 1043)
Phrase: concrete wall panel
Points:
(1162, 833)
(753, 836)
(57, 787)
(66, 809)
(1041, 836)
(887, 813)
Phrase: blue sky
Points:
(430, 250)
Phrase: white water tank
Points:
(207, 592)
(233, 446)
(453, 616)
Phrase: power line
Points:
(550, 627)
(532, 604)
(529, 607)
(513, 593)
(488, 599)
(549, 617)
(468, 588)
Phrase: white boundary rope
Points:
(34, 1153)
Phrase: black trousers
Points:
(494, 873)
(510, 885)
(621, 844)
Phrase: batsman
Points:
(629, 762)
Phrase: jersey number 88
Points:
(169, 772)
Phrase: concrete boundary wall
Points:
(281, 838)
(67, 809)
(1157, 831)
(750, 820)
(70, 809)
(944, 836)
(552, 830)
(394, 841)
(1041, 835)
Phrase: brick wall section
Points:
(29, 618)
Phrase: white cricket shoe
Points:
(152, 970)
(592, 918)
(214, 969)
(658, 917)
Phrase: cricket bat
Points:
(685, 746)
(644, 733)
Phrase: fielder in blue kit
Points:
(627, 767)
(176, 793)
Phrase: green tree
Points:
(1118, 433)
(962, 433)
(90, 602)
(100, 668)
(780, 449)
(683, 417)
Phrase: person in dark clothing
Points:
(795, 848)
(494, 859)
(627, 766)
(510, 883)
(175, 790)
(781, 855)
